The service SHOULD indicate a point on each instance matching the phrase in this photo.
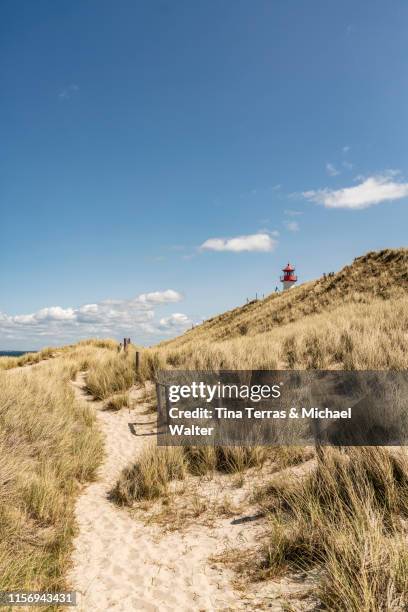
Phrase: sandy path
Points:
(118, 562)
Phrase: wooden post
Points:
(159, 405)
(168, 405)
(137, 362)
(161, 410)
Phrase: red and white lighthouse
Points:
(289, 277)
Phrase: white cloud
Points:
(292, 226)
(55, 313)
(89, 308)
(262, 242)
(175, 322)
(106, 318)
(160, 297)
(331, 169)
(346, 149)
(372, 190)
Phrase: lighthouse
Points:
(289, 277)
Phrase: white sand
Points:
(118, 562)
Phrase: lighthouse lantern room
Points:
(289, 277)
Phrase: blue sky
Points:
(161, 161)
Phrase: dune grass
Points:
(350, 337)
(150, 475)
(117, 402)
(48, 446)
(155, 468)
(111, 373)
(7, 363)
(347, 519)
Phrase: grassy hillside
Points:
(356, 319)
(376, 275)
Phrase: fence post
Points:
(159, 405)
(168, 405)
(162, 411)
(137, 362)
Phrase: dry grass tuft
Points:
(157, 467)
(111, 373)
(117, 402)
(150, 476)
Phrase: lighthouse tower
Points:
(289, 277)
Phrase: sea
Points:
(14, 353)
